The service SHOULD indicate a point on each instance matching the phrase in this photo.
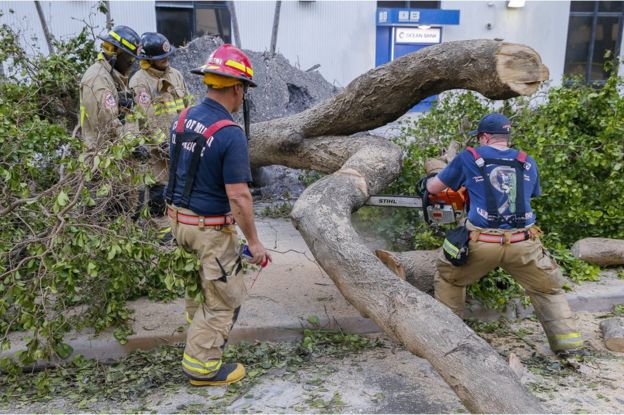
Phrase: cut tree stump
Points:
(416, 267)
(600, 251)
(613, 333)
(319, 138)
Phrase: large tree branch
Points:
(365, 165)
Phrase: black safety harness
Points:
(495, 219)
(199, 141)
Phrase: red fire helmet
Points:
(228, 60)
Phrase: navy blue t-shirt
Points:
(464, 171)
(224, 160)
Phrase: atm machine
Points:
(403, 31)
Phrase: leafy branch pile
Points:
(575, 134)
(87, 384)
(75, 244)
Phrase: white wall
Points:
(66, 18)
(338, 35)
(542, 25)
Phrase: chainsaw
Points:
(446, 207)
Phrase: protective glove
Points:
(434, 166)
(421, 186)
(126, 100)
(141, 153)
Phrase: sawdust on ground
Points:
(593, 385)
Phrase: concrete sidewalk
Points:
(292, 289)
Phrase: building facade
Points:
(342, 38)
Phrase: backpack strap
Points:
(173, 164)
(196, 157)
(493, 215)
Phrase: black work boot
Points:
(228, 373)
(577, 353)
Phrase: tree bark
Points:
(415, 267)
(365, 165)
(600, 251)
(613, 333)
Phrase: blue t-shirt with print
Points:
(464, 171)
(224, 160)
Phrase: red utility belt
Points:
(200, 221)
(503, 238)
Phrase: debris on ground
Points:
(328, 371)
(282, 88)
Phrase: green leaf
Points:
(62, 199)
(63, 350)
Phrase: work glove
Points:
(141, 153)
(434, 166)
(126, 100)
(421, 185)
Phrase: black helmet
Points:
(124, 38)
(155, 47)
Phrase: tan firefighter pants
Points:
(210, 322)
(529, 264)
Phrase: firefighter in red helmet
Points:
(207, 194)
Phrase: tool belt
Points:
(506, 237)
(200, 221)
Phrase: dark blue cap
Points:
(493, 123)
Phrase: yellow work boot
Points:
(228, 373)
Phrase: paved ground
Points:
(283, 297)
(385, 380)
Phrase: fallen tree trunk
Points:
(416, 267)
(600, 251)
(365, 165)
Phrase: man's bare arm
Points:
(241, 203)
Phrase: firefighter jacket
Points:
(100, 89)
(159, 96)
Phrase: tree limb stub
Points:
(415, 267)
(365, 165)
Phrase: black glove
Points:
(126, 100)
(141, 153)
(421, 186)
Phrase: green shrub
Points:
(72, 250)
(574, 133)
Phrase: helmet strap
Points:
(246, 113)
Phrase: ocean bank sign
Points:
(417, 35)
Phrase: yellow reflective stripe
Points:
(200, 367)
(198, 370)
(450, 248)
(570, 335)
(566, 341)
(83, 114)
(239, 66)
(122, 40)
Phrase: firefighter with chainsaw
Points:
(500, 231)
(104, 95)
(207, 193)
(160, 95)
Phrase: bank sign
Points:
(418, 35)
